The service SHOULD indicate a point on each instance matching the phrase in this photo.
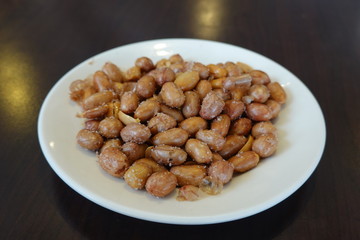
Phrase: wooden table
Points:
(319, 41)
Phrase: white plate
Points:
(301, 131)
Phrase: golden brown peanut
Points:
(188, 193)
(145, 64)
(277, 92)
(127, 119)
(224, 95)
(189, 174)
(199, 67)
(115, 142)
(242, 126)
(155, 167)
(147, 109)
(221, 170)
(262, 128)
(176, 58)
(98, 112)
(245, 68)
(89, 140)
(173, 137)
(162, 63)
(217, 157)
(187, 81)
(98, 99)
(260, 93)
(101, 81)
(113, 72)
(168, 155)
(191, 105)
(177, 68)
(233, 144)
(146, 86)
(244, 161)
(133, 74)
(161, 122)
(248, 144)
(211, 185)
(113, 161)
(234, 109)
(129, 102)
(203, 87)
(134, 151)
(193, 124)
(233, 69)
(259, 77)
(274, 107)
(129, 86)
(217, 82)
(265, 145)
(243, 82)
(217, 71)
(137, 174)
(162, 75)
(258, 112)
(113, 108)
(213, 139)
(110, 127)
(172, 95)
(161, 184)
(221, 124)
(212, 105)
(135, 132)
(198, 151)
(175, 113)
(237, 94)
(92, 125)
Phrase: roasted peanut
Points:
(221, 124)
(191, 105)
(193, 124)
(217, 71)
(113, 161)
(233, 69)
(155, 167)
(162, 75)
(258, 112)
(265, 145)
(146, 86)
(274, 107)
(188, 193)
(221, 170)
(189, 174)
(92, 125)
(259, 77)
(242, 126)
(98, 112)
(161, 184)
(262, 128)
(175, 113)
(187, 81)
(129, 102)
(161, 122)
(172, 95)
(137, 174)
(168, 155)
(98, 99)
(113, 72)
(242, 82)
(277, 92)
(223, 94)
(176, 58)
(212, 105)
(133, 74)
(101, 81)
(210, 185)
(145, 64)
(89, 140)
(135, 132)
(203, 87)
(134, 151)
(213, 139)
(173, 137)
(234, 109)
(198, 151)
(110, 127)
(114, 142)
(244, 161)
(260, 93)
(245, 68)
(147, 109)
(233, 143)
(199, 67)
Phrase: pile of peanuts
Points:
(178, 124)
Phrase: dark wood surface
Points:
(319, 41)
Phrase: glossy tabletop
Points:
(318, 41)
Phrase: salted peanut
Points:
(245, 68)
(259, 77)
(129, 86)
(265, 145)
(258, 112)
(98, 99)
(213, 139)
(203, 87)
(262, 128)
(168, 155)
(259, 92)
(101, 81)
(233, 69)
(161, 184)
(211, 185)
(147, 109)
(237, 94)
(212, 105)
(129, 102)
(217, 82)
(242, 126)
(161, 122)
(113, 161)
(162, 75)
(172, 95)
(127, 119)
(234, 109)
(114, 142)
(191, 105)
(155, 167)
(89, 140)
(188, 193)
(135, 132)
(145, 64)
(198, 151)
(110, 127)
(217, 71)
(274, 107)
(173, 137)
(247, 99)
(193, 124)
(223, 94)
(221, 170)
(137, 174)
(248, 144)
(177, 68)
(221, 124)
(77, 90)
(217, 157)
(92, 125)
(113, 72)
(244, 161)
(175, 113)
(146, 86)
(133, 74)
(243, 82)
(189, 174)
(198, 67)
(187, 81)
(176, 58)
(134, 151)
(97, 112)
(233, 144)
(277, 92)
